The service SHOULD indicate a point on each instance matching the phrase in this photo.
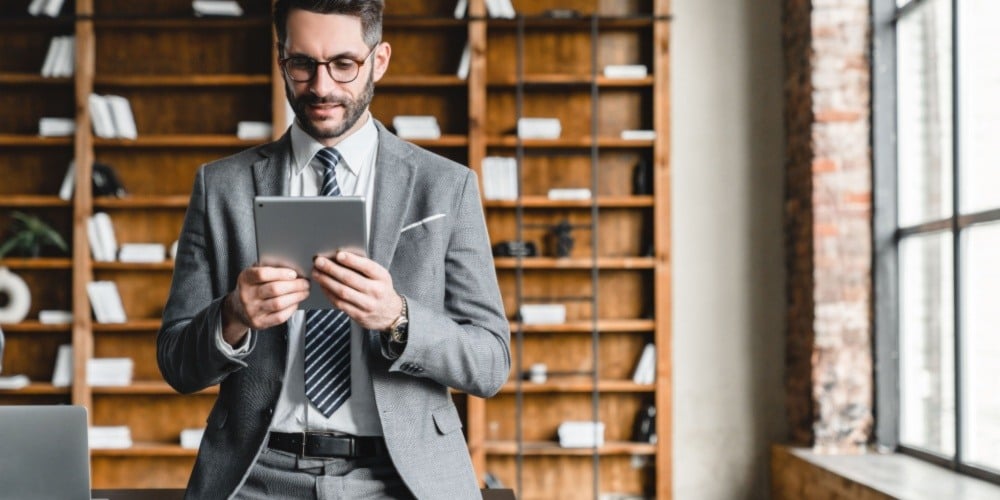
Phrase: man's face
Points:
(326, 109)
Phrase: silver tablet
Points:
(291, 230)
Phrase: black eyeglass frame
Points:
(329, 71)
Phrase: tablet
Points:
(291, 230)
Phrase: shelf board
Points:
(146, 449)
(37, 389)
(179, 141)
(167, 265)
(604, 325)
(552, 448)
(559, 79)
(35, 326)
(43, 263)
(576, 385)
(510, 141)
(34, 140)
(411, 81)
(575, 23)
(142, 201)
(148, 388)
(411, 22)
(135, 325)
(446, 140)
(602, 201)
(33, 79)
(136, 23)
(182, 80)
(34, 201)
(28, 21)
(575, 263)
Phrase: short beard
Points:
(353, 109)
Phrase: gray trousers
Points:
(278, 475)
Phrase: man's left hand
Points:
(360, 287)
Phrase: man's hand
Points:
(360, 287)
(264, 297)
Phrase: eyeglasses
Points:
(342, 69)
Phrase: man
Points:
(424, 311)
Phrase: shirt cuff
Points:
(241, 350)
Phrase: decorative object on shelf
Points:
(105, 181)
(515, 249)
(642, 178)
(645, 425)
(31, 234)
(563, 239)
(538, 373)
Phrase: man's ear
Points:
(382, 54)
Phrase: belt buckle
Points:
(305, 438)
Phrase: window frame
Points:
(887, 236)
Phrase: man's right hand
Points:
(264, 297)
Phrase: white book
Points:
(539, 128)
(228, 8)
(569, 194)
(106, 302)
(625, 71)
(248, 130)
(639, 135)
(543, 314)
(13, 382)
(645, 369)
(581, 434)
(460, 8)
(499, 178)
(103, 372)
(50, 56)
(56, 127)
(191, 438)
(61, 53)
(507, 9)
(492, 8)
(68, 182)
(62, 374)
(106, 236)
(142, 252)
(121, 117)
(464, 62)
(115, 436)
(100, 117)
(416, 126)
(97, 250)
(66, 58)
(51, 8)
(35, 7)
(54, 317)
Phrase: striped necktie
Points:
(328, 331)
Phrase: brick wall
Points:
(828, 223)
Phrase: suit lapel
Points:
(394, 179)
(269, 171)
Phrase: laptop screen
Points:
(43, 452)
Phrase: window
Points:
(937, 230)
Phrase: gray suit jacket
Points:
(458, 335)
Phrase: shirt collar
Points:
(354, 149)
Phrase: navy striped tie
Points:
(328, 331)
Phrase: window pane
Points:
(926, 319)
(924, 110)
(979, 77)
(981, 346)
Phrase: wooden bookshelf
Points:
(191, 80)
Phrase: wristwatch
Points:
(397, 332)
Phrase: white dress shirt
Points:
(355, 175)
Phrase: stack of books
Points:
(577, 434)
(56, 127)
(625, 71)
(645, 369)
(247, 130)
(115, 436)
(48, 8)
(539, 128)
(416, 126)
(54, 317)
(639, 135)
(103, 372)
(500, 178)
(101, 233)
(191, 438)
(111, 116)
(543, 314)
(569, 194)
(502, 9)
(142, 252)
(106, 302)
(220, 8)
(60, 57)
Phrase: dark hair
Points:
(370, 12)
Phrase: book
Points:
(13, 382)
(543, 314)
(502, 9)
(56, 127)
(54, 317)
(645, 369)
(121, 117)
(68, 182)
(625, 71)
(35, 7)
(538, 128)
(191, 438)
(62, 374)
(100, 117)
(463, 63)
(500, 178)
(101, 235)
(65, 57)
(581, 434)
(114, 436)
(248, 130)
(52, 8)
(142, 252)
(106, 302)
(109, 372)
(460, 7)
(638, 135)
(569, 194)
(50, 56)
(224, 8)
(416, 126)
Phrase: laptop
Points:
(43, 452)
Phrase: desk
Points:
(153, 494)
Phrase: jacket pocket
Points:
(446, 419)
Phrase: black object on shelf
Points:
(515, 249)
(561, 233)
(106, 182)
(644, 430)
(642, 178)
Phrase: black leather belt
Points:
(327, 445)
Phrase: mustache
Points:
(314, 99)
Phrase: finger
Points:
(340, 294)
(282, 302)
(342, 274)
(280, 288)
(265, 274)
(362, 265)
